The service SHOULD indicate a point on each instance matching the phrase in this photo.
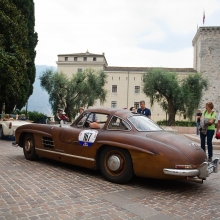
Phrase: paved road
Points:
(45, 189)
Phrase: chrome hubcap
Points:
(113, 163)
(27, 146)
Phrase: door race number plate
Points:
(87, 137)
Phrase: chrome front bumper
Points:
(203, 171)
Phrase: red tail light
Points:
(10, 125)
(183, 167)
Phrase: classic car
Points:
(7, 128)
(124, 145)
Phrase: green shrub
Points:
(178, 123)
(34, 116)
(37, 117)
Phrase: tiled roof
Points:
(142, 69)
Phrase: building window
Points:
(136, 105)
(134, 78)
(75, 58)
(94, 58)
(137, 89)
(119, 78)
(79, 70)
(66, 58)
(114, 88)
(126, 78)
(112, 77)
(84, 58)
(114, 104)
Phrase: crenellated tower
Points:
(206, 45)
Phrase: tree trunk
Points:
(171, 113)
(171, 120)
(67, 110)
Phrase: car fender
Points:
(6, 130)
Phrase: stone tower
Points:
(206, 60)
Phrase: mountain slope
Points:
(39, 100)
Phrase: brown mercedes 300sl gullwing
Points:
(122, 145)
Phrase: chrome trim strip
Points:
(68, 155)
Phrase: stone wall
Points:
(207, 61)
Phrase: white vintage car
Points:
(7, 128)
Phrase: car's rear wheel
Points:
(116, 165)
(29, 147)
(2, 136)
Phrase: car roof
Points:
(110, 111)
(123, 113)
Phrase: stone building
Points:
(124, 84)
(206, 45)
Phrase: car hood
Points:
(190, 149)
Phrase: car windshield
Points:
(142, 123)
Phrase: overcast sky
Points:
(141, 33)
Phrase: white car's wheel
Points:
(2, 136)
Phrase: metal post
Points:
(27, 99)
(127, 89)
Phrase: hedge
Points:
(178, 123)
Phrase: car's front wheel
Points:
(2, 136)
(116, 165)
(29, 147)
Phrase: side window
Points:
(88, 118)
(118, 124)
(81, 122)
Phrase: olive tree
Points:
(173, 94)
(82, 89)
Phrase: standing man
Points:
(80, 111)
(59, 114)
(143, 110)
(92, 117)
(198, 116)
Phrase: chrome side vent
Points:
(48, 142)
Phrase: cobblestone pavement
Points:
(45, 189)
